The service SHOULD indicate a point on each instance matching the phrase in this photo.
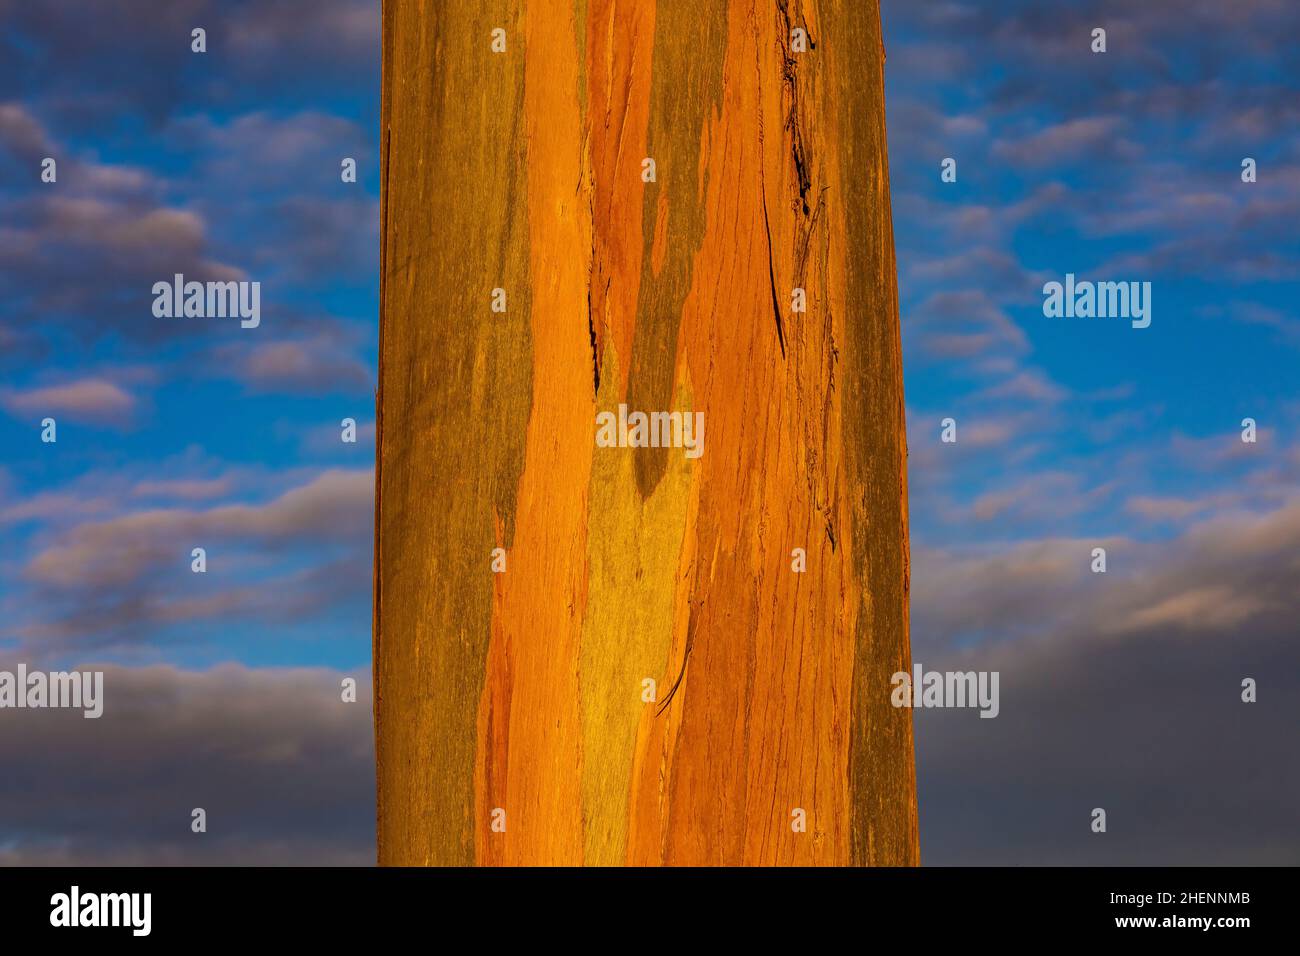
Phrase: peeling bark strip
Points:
(512, 727)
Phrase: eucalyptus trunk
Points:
(606, 652)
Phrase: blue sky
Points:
(1077, 433)
(217, 165)
(1121, 166)
(1072, 433)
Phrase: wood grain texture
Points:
(522, 690)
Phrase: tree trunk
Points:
(652, 678)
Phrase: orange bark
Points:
(513, 722)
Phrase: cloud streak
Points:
(88, 399)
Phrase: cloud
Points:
(193, 489)
(1254, 313)
(313, 365)
(965, 324)
(88, 400)
(928, 59)
(52, 505)
(1151, 730)
(82, 255)
(919, 122)
(339, 30)
(121, 583)
(314, 236)
(1163, 509)
(1181, 217)
(282, 766)
(22, 135)
(1028, 39)
(291, 46)
(335, 506)
(1213, 452)
(1029, 385)
(279, 147)
(1047, 583)
(1088, 139)
(932, 460)
(1041, 496)
(988, 268)
(188, 476)
(1210, 608)
(129, 619)
(327, 439)
(1119, 691)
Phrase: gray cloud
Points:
(1152, 730)
(294, 46)
(83, 255)
(1119, 691)
(318, 363)
(332, 507)
(115, 582)
(1085, 140)
(283, 767)
(1028, 38)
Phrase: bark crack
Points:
(771, 278)
(686, 657)
(591, 334)
(762, 183)
(792, 119)
(591, 275)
